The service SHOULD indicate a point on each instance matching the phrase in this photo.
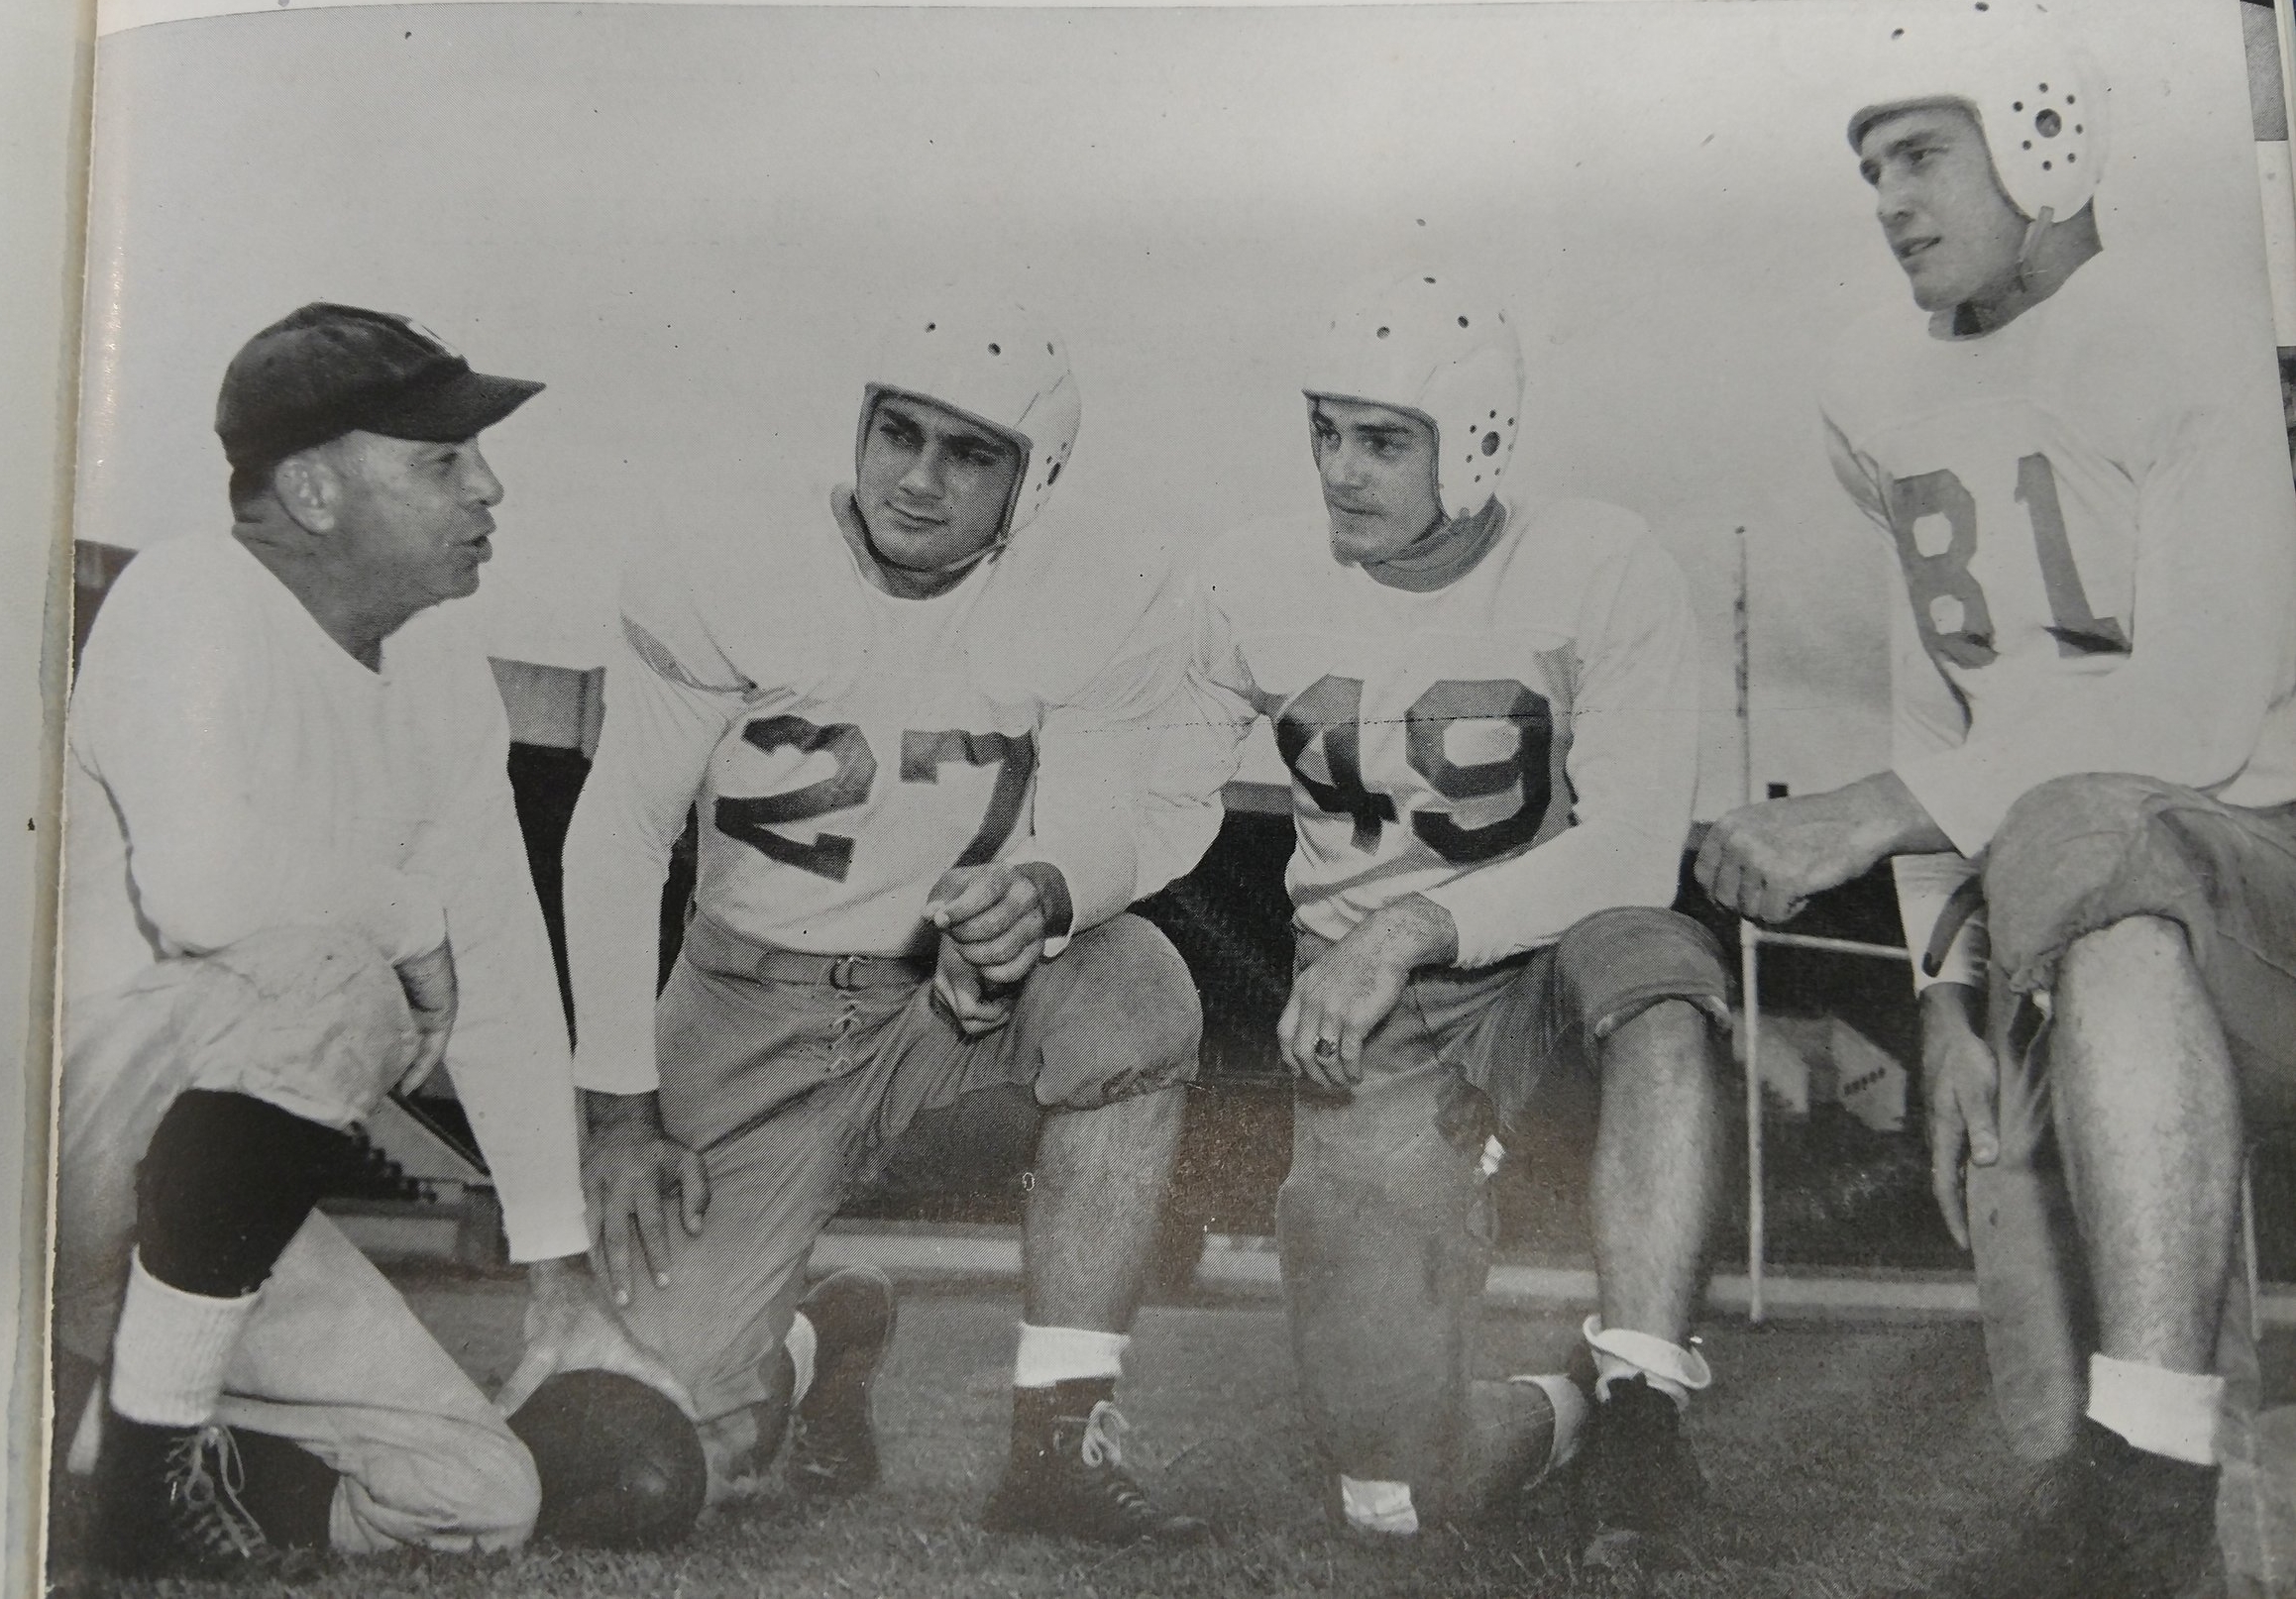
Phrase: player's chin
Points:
(1357, 538)
(1933, 289)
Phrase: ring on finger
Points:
(1326, 1049)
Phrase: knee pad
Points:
(225, 1182)
(1613, 965)
(1389, 1199)
(2075, 855)
(1128, 1022)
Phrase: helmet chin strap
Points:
(2035, 231)
(956, 568)
(987, 552)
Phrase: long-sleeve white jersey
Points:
(2098, 562)
(842, 748)
(232, 769)
(1519, 746)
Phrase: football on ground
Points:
(619, 1463)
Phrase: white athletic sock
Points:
(1570, 1413)
(1621, 1353)
(170, 1350)
(2161, 1412)
(1050, 1354)
(803, 1344)
(1379, 1507)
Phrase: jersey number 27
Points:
(1334, 709)
(922, 755)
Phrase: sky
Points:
(691, 220)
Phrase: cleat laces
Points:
(208, 1497)
(1102, 1450)
(1104, 1431)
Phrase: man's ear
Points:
(310, 487)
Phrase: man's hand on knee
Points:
(431, 998)
(571, 1327)
(1961, 1082)
(1348, 989)
(1764, 861)
(628, 1170)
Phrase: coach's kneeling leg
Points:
(335, 1363)
(1386, 1235)
(272, 1046)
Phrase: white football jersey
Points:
(2100, 560)
(1519, 746)
(841, 749)
(831, 806)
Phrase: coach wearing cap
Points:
(296, 881)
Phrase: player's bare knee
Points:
(2133, 954)
(1672, 1035)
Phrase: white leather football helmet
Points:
(2037, 98)
(1448, 355)
(999, 367)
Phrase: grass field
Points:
(1839, 1458)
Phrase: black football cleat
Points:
(834, 1446)
(2105, 1520)
(167, 1504)
(1066, 1476)
(1638, 1491)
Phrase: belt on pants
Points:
(716, 950)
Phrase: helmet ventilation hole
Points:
(1490, 443)
(996, 350)
(1463, 322)
(1052, 475)
(2049, 124)
(1384, 332)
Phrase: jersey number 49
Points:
(1333, 707)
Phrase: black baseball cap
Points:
(325, 371)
